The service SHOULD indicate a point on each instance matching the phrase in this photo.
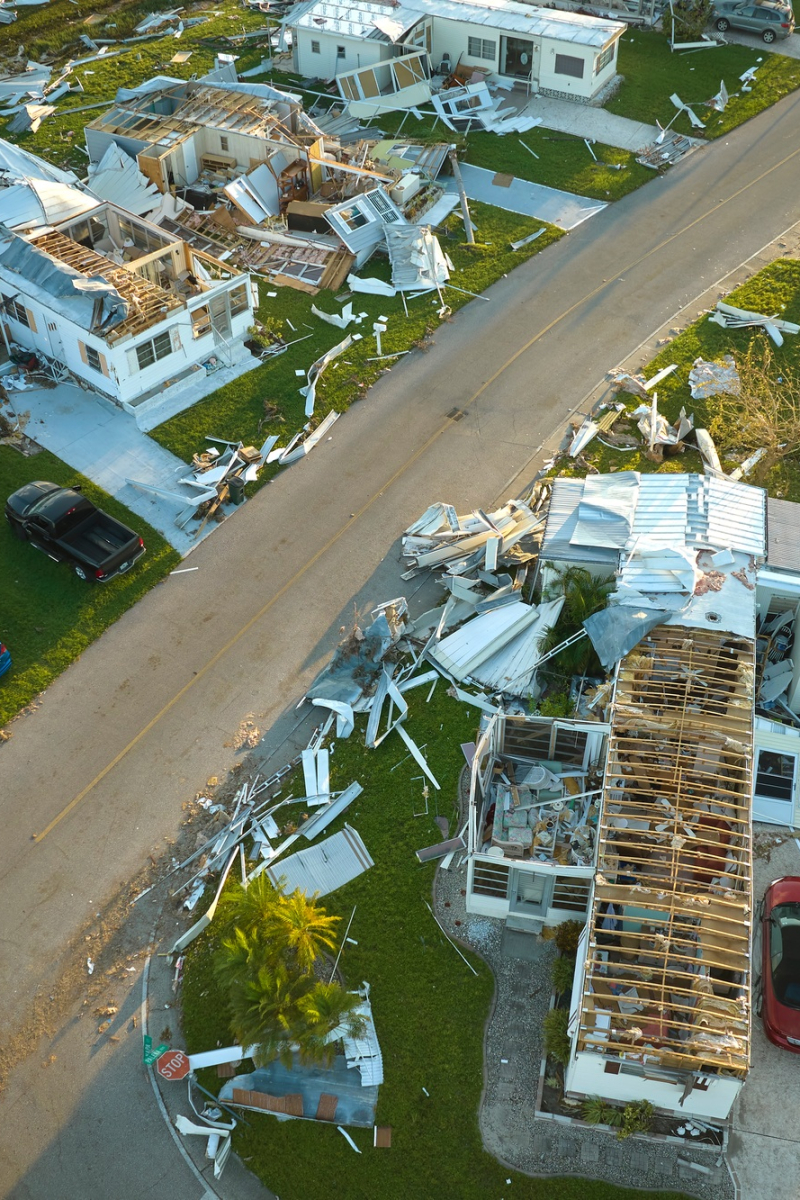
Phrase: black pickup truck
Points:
(68, 527)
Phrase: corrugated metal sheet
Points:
(661, 513)
(22, 165)
(364, 1052)
(606, 510)
(325, 867)
(117, 178)
(477, 640)
(783, 534)
(35, 203)
(562, 518)
(736, 516)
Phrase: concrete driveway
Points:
(104, 444)
(790, 47)
(764, 1147)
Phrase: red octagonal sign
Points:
(174, 1064)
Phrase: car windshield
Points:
(785, 953)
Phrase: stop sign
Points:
(173, 1065)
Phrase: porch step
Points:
(524, 924)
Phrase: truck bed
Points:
(100, 540)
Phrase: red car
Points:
(780, 973)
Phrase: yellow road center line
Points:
(38, 837)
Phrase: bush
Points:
(597, 1111)
(556, 1038)
(637, 1117)
(562, 974)
(567, 936)
(557, 705)
(691, 18)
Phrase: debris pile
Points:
(730, 317)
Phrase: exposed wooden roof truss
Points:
(148, 303)
(671, 961)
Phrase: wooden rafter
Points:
(148, 303)
(674, 858)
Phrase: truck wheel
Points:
(82, 573)
(18, 531)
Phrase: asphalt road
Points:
(93, 782)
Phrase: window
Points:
(481, 48)
(16, 311)
(567, 64)
(775, 775)
(315, 47)
(603, 59)
(340, 52)
(201, 321)
(223, 143)
(354, 218)
(238, 297)
(570, 745)
(150, 352)
(93, 359)
(490, 879)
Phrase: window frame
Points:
(486, 48)
(238, 307)
(788, 781)
(341, 52)
(563, 59)
(92, 353)
(315, 46)
(154, 347)
(604, 58)
(16, 311)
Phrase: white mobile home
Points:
(546, 50)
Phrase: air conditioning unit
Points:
(406, 187)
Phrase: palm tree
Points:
(248, 908)
(265, 1012)
(583, 594)
(325, 1008)
(302, 927)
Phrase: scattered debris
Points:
(730, 317)
(714, 378)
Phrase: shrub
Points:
(562, 974)
(556, 1038)
(597, 1111)
(557, 705)
(637, 1117)
(566, 937)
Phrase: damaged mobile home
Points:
(377, 52)
(126, 307)
(641, 823)
(242, 172)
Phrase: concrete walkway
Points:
(583, 121)
(105, 445)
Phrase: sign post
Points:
(173, 1065)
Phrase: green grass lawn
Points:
(774, 290)
(237, 411)
(652, 73)
(429, 1008)
(48, 616)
